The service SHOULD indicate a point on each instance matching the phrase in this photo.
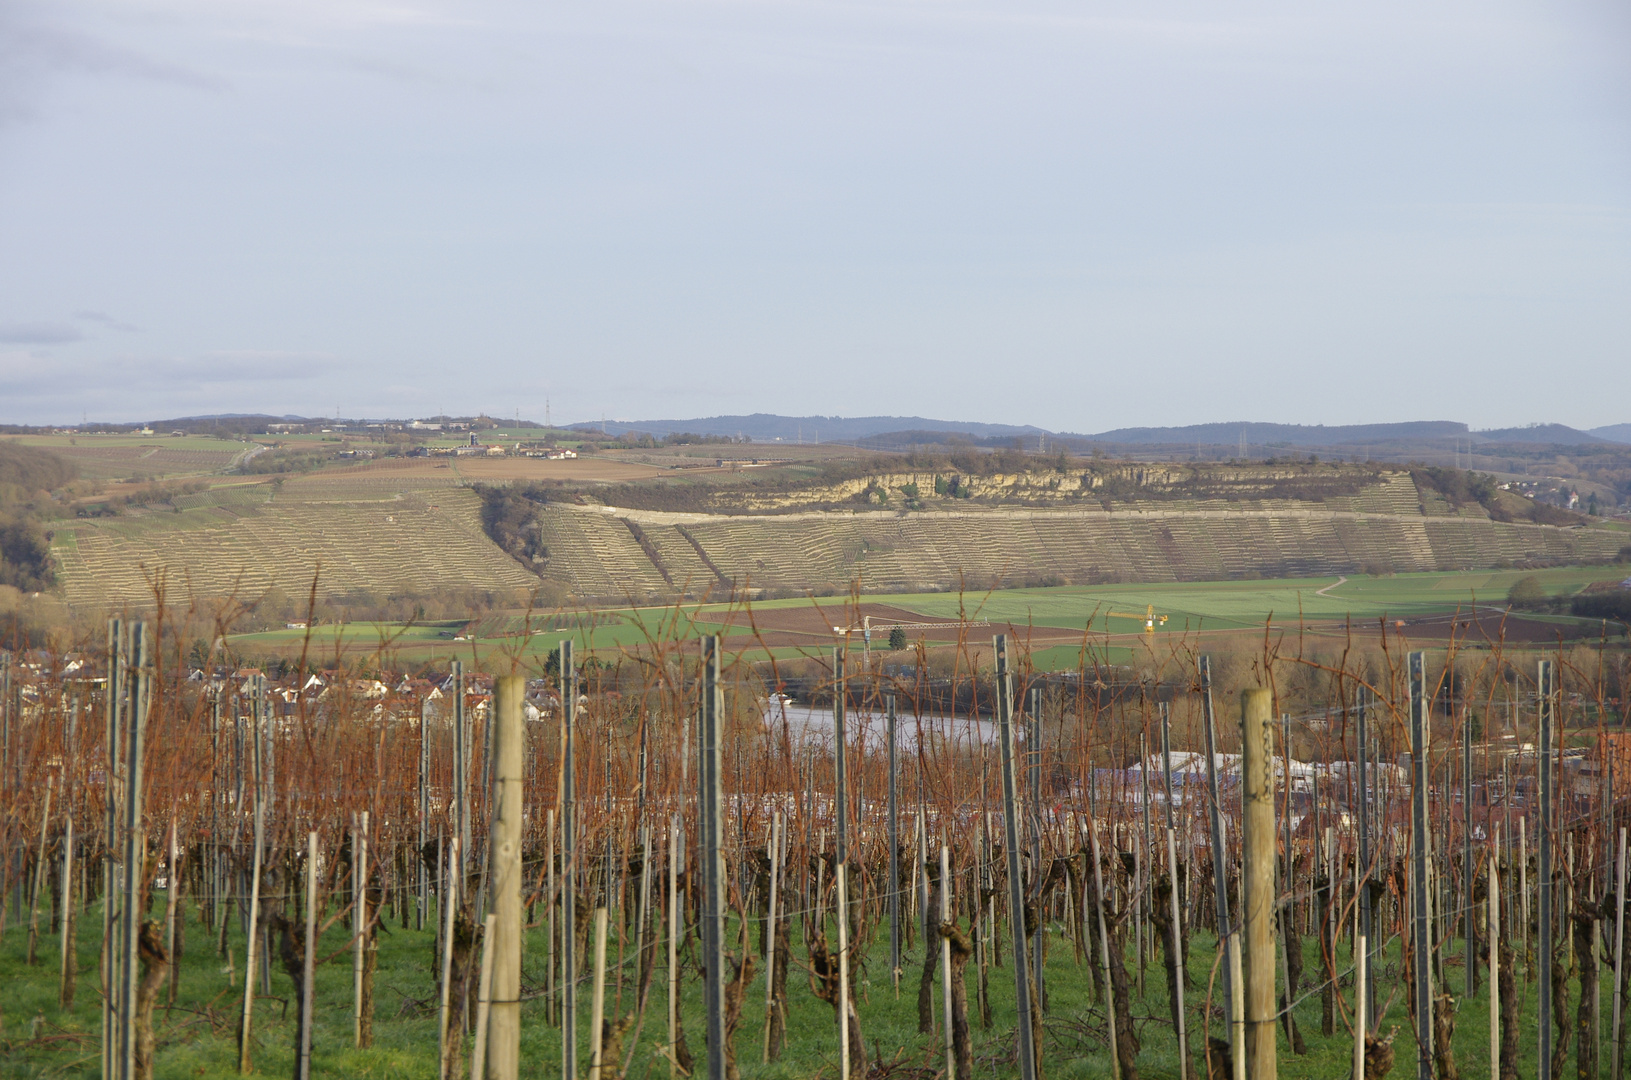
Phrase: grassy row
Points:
(197, 1036)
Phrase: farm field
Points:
(158, 457)
(409, 473)
(1052, 622)
(1236, 604)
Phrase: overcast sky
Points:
(1079, 215)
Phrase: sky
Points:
(1082, 215)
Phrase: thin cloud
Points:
(24, 45)
(102, 318)
(26, 373)
(39, 333)
(249, 366)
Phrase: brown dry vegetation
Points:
(340, 752)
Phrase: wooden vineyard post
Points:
(504, 840)
(1227, 939)
(840, 752)
(1176, 945)
(172, 903)
(642, 922)
(551, 947)
(135, 838)
(309, 965)
(423, 871)
(70, 959)
(450, 901)
(1421, 937)
(1033, 814)
(1364, 870)
(1143, 873)
(771, 931)
(1257, 792)
(461, 776)
(39, 875)
(710, 829)
(246, 1024)
(1469, 919)
(569, 870)
(1178, 889)
(1495, 971)
(842, 888)
(1523, 891)
(597, 1001)
(5, 742)
(1104, 949)
(212, 859)
(945, 960)
(486, 804)
(359, 941)
(1619, 955)
(1359, 1004)
(112, 870)
(1543, 851)
(1237, 999)
(484, 1002)
(894, 846)
(673, 970)
(1177, 894)
(1026, 1047)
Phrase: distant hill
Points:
(1550, 434)
(768, 427)
(1613, 433)
(1260, 435)
(285, 418)
(1408, 440)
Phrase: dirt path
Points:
(1328, 588)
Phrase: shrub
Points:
(1612, 604)
(1526, 592)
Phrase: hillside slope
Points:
(407, 542)
(405, 528)
(613, 552)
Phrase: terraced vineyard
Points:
(412, 525)
(596, 552)
(415, 542)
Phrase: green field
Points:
(1191, 608)
(1237, 604)
(196, 1038)
(156, 457)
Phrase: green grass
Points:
(1189, 606)
(197, 1036)
(1234, 604)
(111, 457)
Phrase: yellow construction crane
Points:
(1151, 619)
